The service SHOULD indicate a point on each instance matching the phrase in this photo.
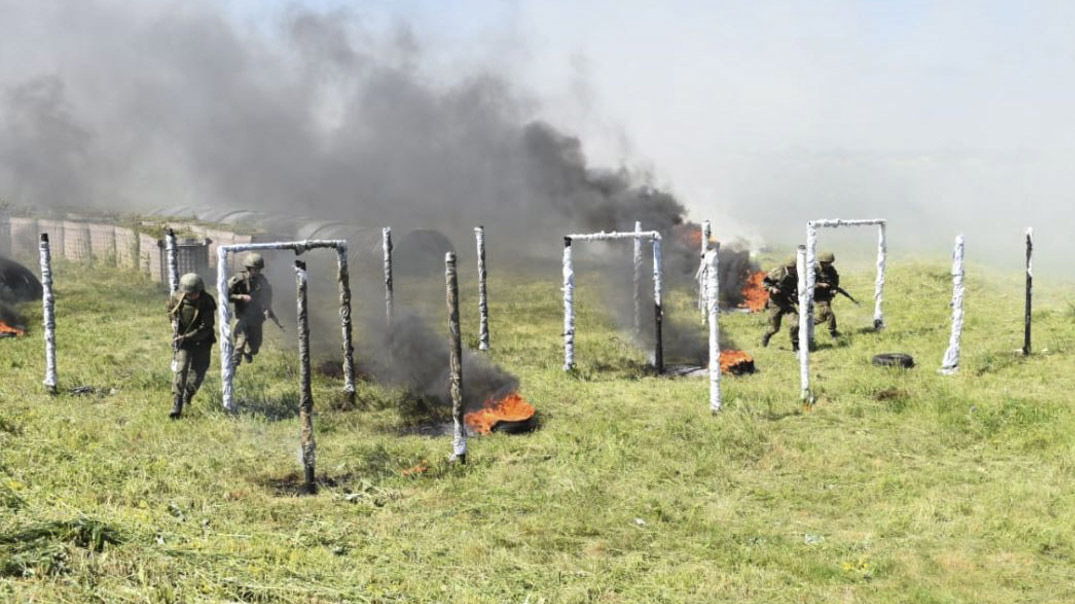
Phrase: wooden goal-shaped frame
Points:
(227, 370)
(807, 259)
(569, 289)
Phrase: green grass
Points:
(900, 486)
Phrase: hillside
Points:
(899, 486)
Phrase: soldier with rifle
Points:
(193, 314)
(251, 294)
(826, 286)
(782, 283)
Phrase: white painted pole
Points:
(703, 267)
(48, 312)
(455, 360)
(805, 289)
(343, 282)
(306, 399)
(173, 261)
(483, 300)
(386, 247)
(950, 364)
(637, 258)
(569, 307)
(712, 301)
(811, 262)
(658, 308)
(227, 370)
(879, 287)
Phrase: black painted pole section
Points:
(1029, 290)
(306, 397)
(455, 347)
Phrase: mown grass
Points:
(900, 486)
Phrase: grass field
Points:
(900, 486)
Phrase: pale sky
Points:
(941, 112)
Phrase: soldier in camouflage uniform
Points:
(782, 283)
(826, 281)
(252, 296)
(193, 314)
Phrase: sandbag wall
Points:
(94, 242)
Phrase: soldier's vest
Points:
(191, 313)
(255, 287)
(787, 283)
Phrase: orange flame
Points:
(5, 328)
(511, 408)
(754, 294)
(735, 361)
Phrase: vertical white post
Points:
(712, 286)
(637, 258)
(950, 364)
(386, 247)
(703, 268)
(227, 370)
(805, 318)
(1028, 306)
(343, 278)
(48, 312)
(879, 288)
(658, 309)
(173, 261)
(455, 346)
(306, 398)
(483, 301)
(811, 262)
(569, 307)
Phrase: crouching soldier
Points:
(782, 283)
(828, 281)
(252, 296)
(193, 315)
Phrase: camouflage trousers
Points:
(776, 315)
(192, 363)
(247, 340)
(823, 314)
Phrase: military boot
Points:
(765, 339)
(177, 407)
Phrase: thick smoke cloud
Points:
(158, 106)
(318, 115)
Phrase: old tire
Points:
(894, 359)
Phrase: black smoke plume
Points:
(144, 107)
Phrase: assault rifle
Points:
(175, 333)
(843, 292)
(271, 315)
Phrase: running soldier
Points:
(825, 289)
(782, 283)
(193, 314)
(251, 294)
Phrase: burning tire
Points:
(17, 283)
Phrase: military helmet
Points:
(826, 257)
(791, 261)
(254, 260)
(190, 283)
